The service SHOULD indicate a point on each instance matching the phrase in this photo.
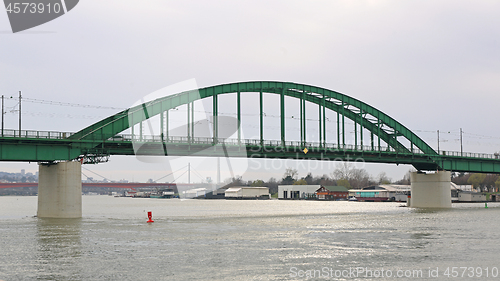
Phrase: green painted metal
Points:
(343, 123)
(301, 122)
(167, 126)
(282, 114)
(192, 119)
(261, 128)
(141, 130)
(324, 122)
(33, 149)
(361, 127)
(100, 136)
(320, 137)
(215, 121)
(348, 106)
(338, 127)
(303, 137)
(161, 123)
(188, 122)
(238, 105)
(356, 121)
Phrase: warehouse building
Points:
(247, 192)
(468, 196)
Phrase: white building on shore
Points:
(297, 191)
(246, 192)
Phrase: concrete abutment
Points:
(60, 190)
(430, 190)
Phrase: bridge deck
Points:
(36, 146)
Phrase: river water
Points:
(248, 240)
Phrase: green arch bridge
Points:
(378, 138)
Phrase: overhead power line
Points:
(70, 104)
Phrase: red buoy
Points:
(150, 216)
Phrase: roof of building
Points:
(336, 188)
(238, 188)
(471, 192)
(195, 190)
(389, 187)
(368, 190)
(302, 185)
(250, 187)
(397, 187)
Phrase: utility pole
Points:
(438, 141)
(189, 173)
(461, 144)
(218, 170)
(19, 113)
(2, 115)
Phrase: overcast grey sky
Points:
(431, 65)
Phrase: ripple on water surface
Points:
(231, 240)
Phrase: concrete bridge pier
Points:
(60, 190)
(430, 190)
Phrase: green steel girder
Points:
(421, 161)
(390, 140)
(43, 150)
(123, 120)
(467, 164)
(272, 152)
(48, 150)
(100, 135)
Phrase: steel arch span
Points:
(364, 116)
(389, 141)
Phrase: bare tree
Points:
(291, 172)
(343, 171)
(357, 178)
(382, 178)
(406, 180)
(235, 181)
(272, 183)
(290, 176)
(360, 179)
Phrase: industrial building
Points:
(219, 193)
(192, 193)
(297, 191)
(247, 192)
(468, 196)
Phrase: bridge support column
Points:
(430, 190)
(60, 190)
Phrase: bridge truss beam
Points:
(104, 134)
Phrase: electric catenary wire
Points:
(70, 104)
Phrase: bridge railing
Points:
(206, 140)
(470, 154)
(199, 140)
(255, 142)
(34, 134)
(252, 142)
(9, 133)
